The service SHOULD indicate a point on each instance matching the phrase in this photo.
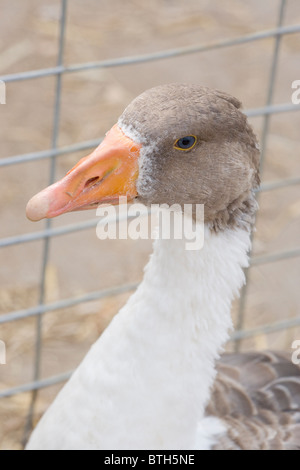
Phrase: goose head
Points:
(174, 144)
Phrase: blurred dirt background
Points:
(91, 103)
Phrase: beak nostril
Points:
(91, 182)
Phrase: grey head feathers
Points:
(221, 171)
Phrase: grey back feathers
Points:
(257, 396)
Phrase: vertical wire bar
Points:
(46, 248)
(265, 133)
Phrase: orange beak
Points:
(105, 175)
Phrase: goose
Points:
(158, 377)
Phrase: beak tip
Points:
(37, 208)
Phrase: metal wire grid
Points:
(48, 233)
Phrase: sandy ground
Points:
(91, 103)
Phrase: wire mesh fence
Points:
(49, 232)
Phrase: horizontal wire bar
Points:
(61, 304)
(272, 257)
(284, 183)
(64, 230)
(53, 232)
(151, 57)
(272, 109)
(267, 329)
(33, 156)
(37, 385)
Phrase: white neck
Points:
(149, 375)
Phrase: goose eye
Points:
(186, 143)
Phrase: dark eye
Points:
(185, 143)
